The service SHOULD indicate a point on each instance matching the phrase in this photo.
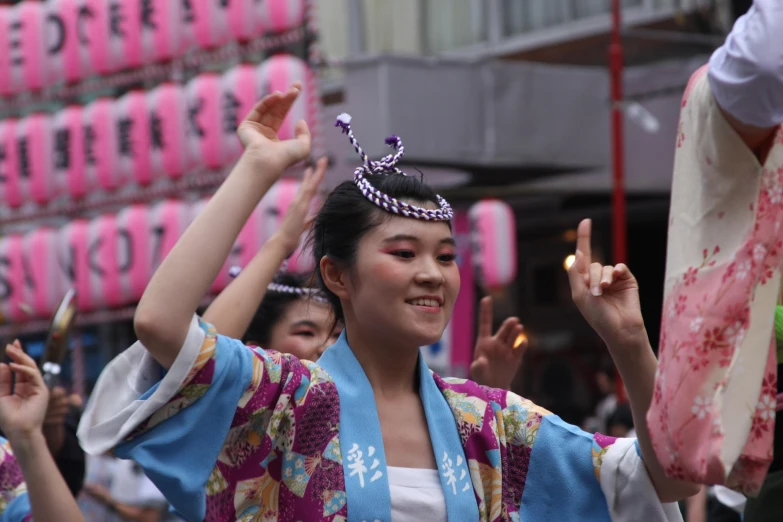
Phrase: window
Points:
(332, 17)
(522, 16)
(450, 24)
(392, 27)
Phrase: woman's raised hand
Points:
(296, 219)
(258, 131)
(607, 296)
(22, 404)
(497, 356)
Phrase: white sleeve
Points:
(115, 409)
(149, 495)
(746, 72)
(630, 494)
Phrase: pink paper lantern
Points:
(13, 280)
(278, 73)
(27, 46)
(240, 94)
(133, 135)
(210, 25)
(135, 242)
(7, 83)
(245, 19)
(107, 260)
(161, 32)
(67, 49)
(80, 271)
(169, 220)
(204, 120)
(282, 15)
(10, 191)
(46, 285)
(114, 34)
(34, 156)
(168, 130)
(494, 238)
(68, 152)
(187, 26)
(101, 144)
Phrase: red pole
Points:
(619, 246)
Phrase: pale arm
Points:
(233, 309)
(50, 498)
(696, 506)
(636, 363)
(746, 74)
(172, 296)
(608, 297)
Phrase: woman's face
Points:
(405, 281)
(304, 330)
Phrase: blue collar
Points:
(361, 442)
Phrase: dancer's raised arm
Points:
(608, 297)
(232, 311)
(166, 309)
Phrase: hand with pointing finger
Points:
(496, 358)
(607, 296)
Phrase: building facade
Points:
(511, 99)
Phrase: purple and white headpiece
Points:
(388, 165)
(313, 293)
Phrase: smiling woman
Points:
(365, 252)
(283, 438)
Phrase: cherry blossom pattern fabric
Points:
(713, 412)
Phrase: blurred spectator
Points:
(557, 392)
(725, 505)
(620, 422)
(606, 384)
(118, 491)
(605, 380)
(62, 420)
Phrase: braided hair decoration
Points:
(388, 165)
(313, 293)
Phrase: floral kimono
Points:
(231, 432)
(712, 418)
(14, 503)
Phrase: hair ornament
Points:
(388, 165)
(313, 293)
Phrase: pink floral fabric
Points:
(12, 485)
(713, 412)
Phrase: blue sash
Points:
(361, 442)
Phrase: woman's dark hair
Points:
(347, 216)
(621, 416)
(272, 308)
(607, 368)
